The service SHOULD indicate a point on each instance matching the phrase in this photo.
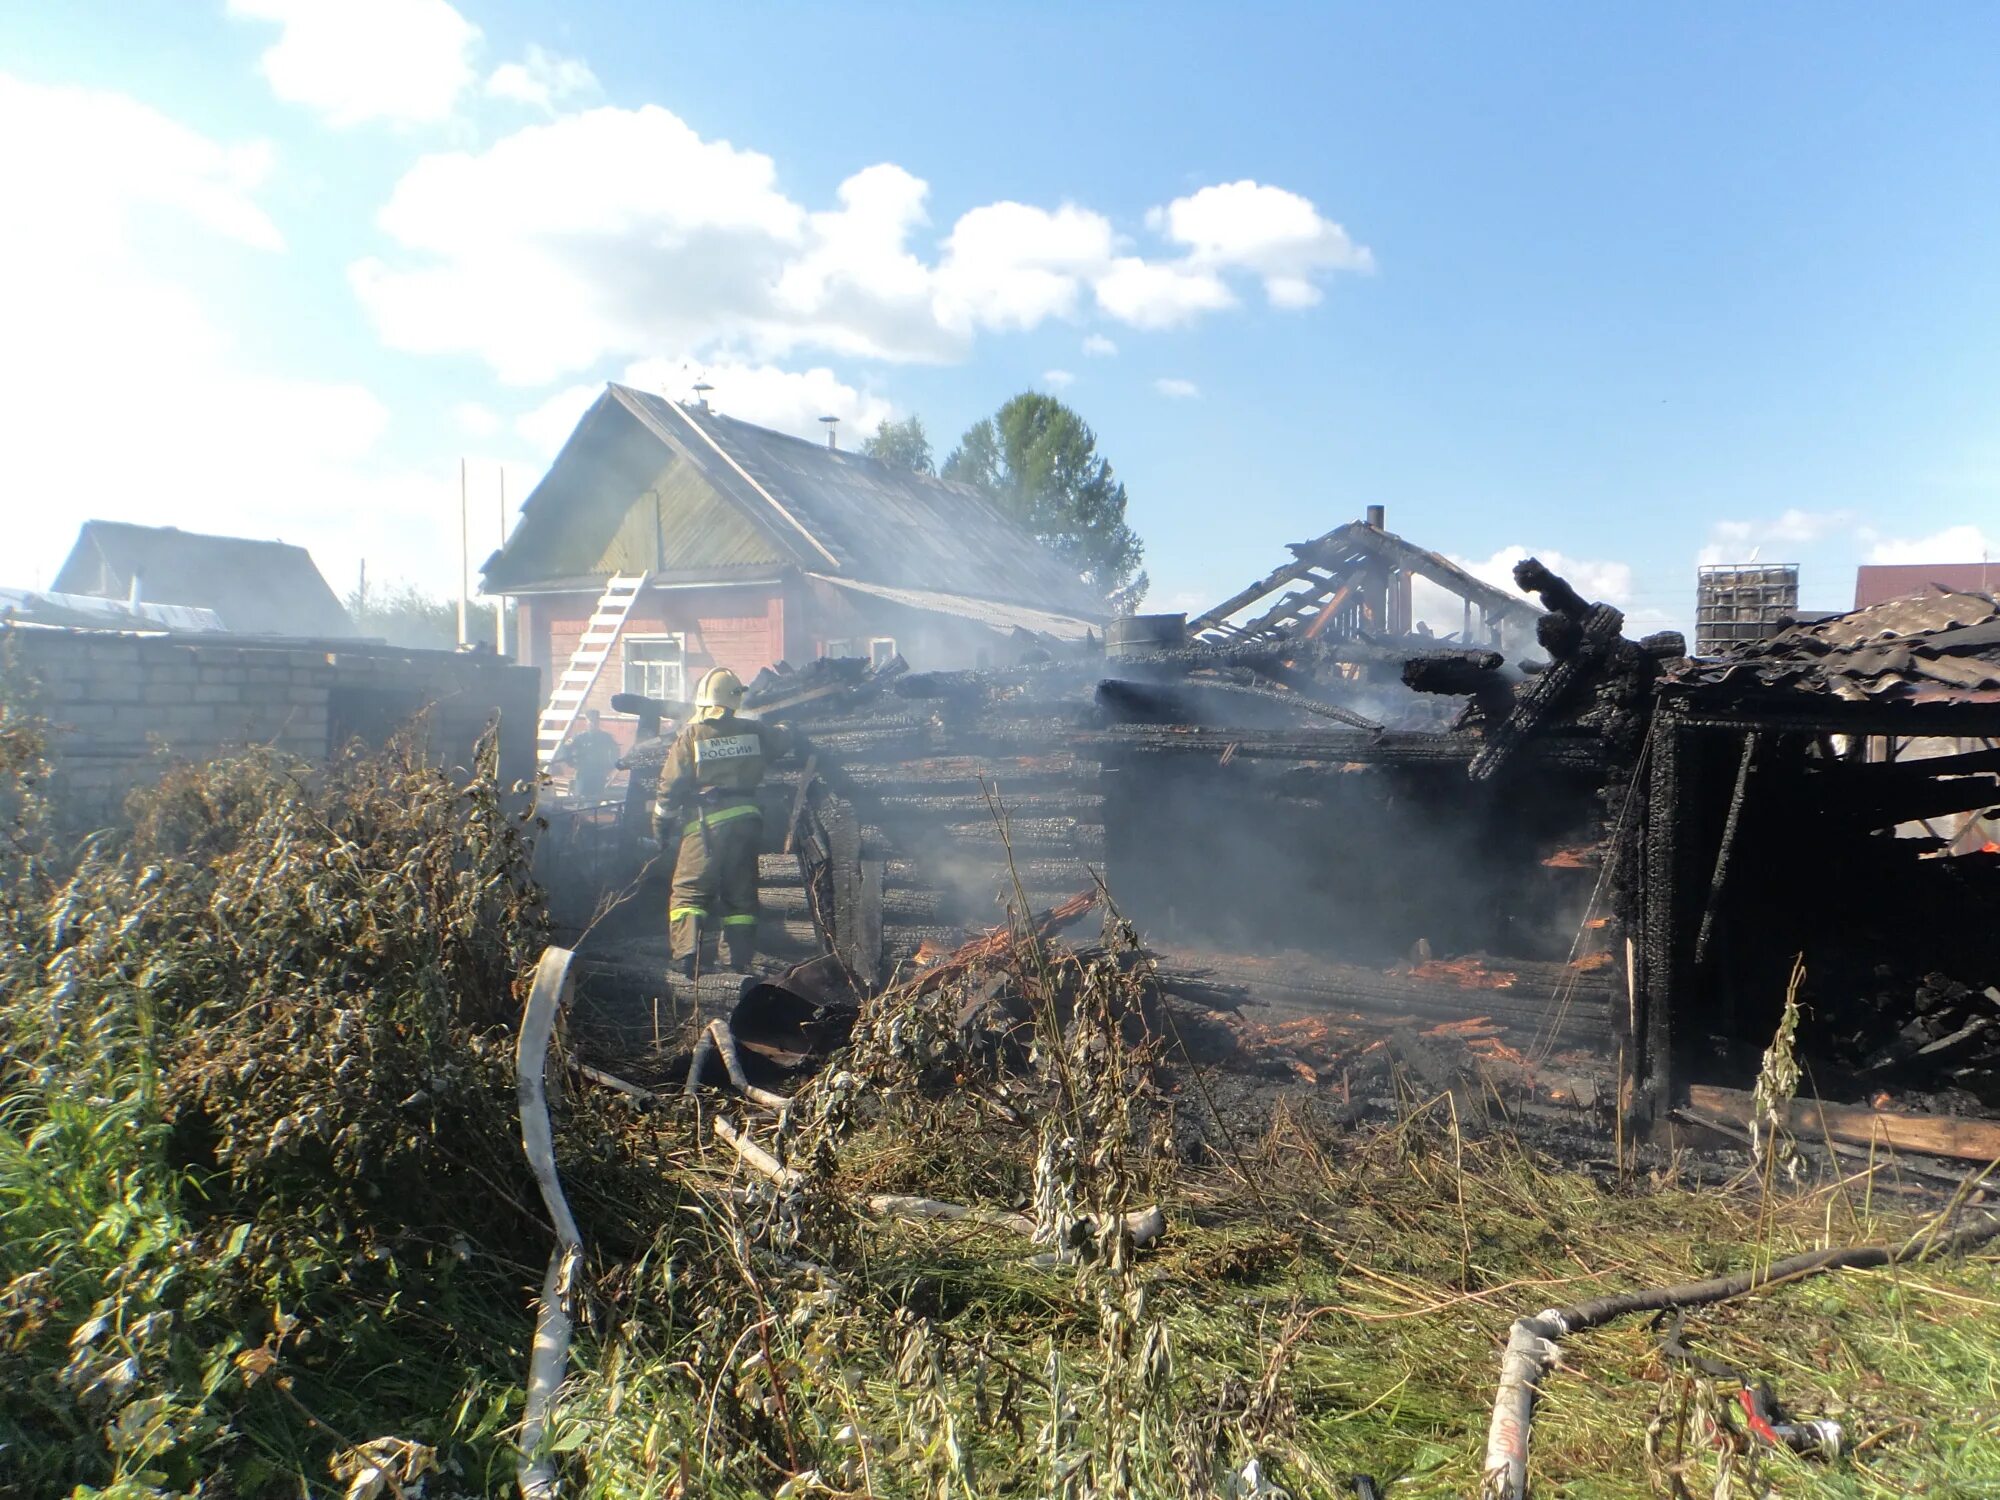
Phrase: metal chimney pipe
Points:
(831, 424)
(132, 595)
(1376, 515)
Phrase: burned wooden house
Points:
(667, 538)
(1597, 857)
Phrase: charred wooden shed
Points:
(1822, 798)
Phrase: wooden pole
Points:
(500, 600)
(464, 549)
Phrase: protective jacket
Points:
(708, 801)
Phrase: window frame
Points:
(627, 665)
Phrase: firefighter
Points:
(708, 799)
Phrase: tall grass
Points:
(265, 1229)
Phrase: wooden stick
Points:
(1145, 1225)
(1928, 1135)
(631, 1091)
(756, 1157)
(555, 1317)
(725, 1043)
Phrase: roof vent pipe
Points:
(1376, 516)
(701, 390)
(132, 595)
(831, 424)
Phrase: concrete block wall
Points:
(123, 707)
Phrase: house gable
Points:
(618, 499)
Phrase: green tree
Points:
(1038, 459)
(902, 445)
(404, 615)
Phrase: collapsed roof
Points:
(1356, 580)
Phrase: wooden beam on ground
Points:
(1928, 1135)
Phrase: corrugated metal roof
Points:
(1877, 583)
(89, 612)
(257, 587)
(986, 612)
(1941, 645)
(835, 513)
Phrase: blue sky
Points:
(1632, 286)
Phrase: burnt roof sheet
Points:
(1932, 647)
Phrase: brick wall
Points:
(121, 706)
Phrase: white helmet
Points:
(719, 688)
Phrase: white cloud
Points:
(1058, 379)
(1954, 544)
(401, 62)
(84, 165)
(1175, 389)
(476, 420)
(1275, 234)
(210, 440)
(1743, 541)
(1097, 346)
(1008, 265)
(542, 80)
(1597, 580)
(784, 400)
(548, 252)
(549, 425)
(1151, 295)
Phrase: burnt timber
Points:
(1613, 851)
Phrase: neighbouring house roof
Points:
(90, 612)
(645, 484)
(1875, 583)
(255, 587)
(1934, 646)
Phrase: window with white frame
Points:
(656, 665)
(840, 648)
(881, 651)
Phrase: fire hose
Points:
(1532, 1346)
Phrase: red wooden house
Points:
(667, 538)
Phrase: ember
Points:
(1470, 973)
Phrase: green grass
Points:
(261, 1204)
(1324, 1318)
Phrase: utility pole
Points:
(464, 549)
(500, 600)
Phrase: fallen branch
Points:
(996, 942)
(555, 1316)
(725, 1044)
(1531, 1343)
(756, 1157)
(632, 1091)
(1145, 1225)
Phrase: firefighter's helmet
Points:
(719, 688)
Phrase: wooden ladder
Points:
(593, 649)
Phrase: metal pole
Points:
(500, 600)
(464, 549)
